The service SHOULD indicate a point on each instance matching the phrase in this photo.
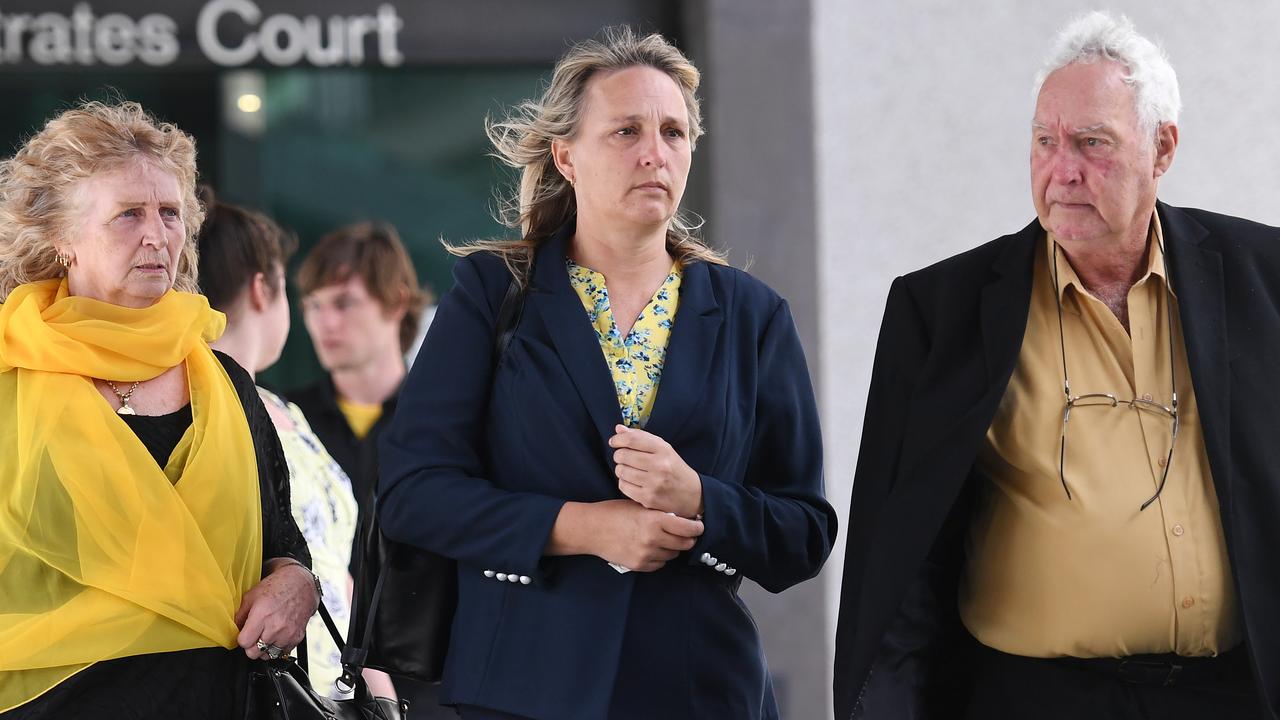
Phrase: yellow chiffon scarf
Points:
(103, 554)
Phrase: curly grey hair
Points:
(37, 185)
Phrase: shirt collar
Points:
(1067, 277)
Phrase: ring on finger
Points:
(274, 652)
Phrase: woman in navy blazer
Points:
(599, 561)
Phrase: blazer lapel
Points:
(963, 399)
(555, 300)
(1006, 301)
(690, 349)
(1202, 308)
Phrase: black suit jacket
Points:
(948, 346)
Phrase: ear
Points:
(1166, 146)
(400, 309)
(562, 154)
(260, 294)
(63, 249)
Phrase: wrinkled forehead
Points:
(1086, 94)
(138, 179)
(632, 92)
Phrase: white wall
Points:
(923, 112)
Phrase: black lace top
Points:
(202, 683)
(160, 433)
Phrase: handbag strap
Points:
(332, 627)
(355, 656)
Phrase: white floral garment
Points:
(325, 509)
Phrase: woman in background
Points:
(243, 256)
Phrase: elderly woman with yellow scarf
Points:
(147, 549)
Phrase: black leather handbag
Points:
(402, 609)
(405, 597)
(280, 690)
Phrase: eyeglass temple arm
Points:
(1168, 459)
(1066, 379)
(1173, 376)
(1062, 449)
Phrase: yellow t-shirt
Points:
(359, 416)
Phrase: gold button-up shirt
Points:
(1093, 576)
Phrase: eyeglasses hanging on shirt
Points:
(1110, 400)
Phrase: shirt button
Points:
(1188, 601)
(1147, 397)
(1177, 529)
(1160, 462)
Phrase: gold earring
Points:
(64, 259)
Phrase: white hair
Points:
(1102, 36)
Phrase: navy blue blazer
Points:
(476, 465)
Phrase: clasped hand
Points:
(653, 526)
(276, 610)
(653, 474)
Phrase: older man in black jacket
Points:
(1064, 505)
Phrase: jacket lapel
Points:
(1202, 308)
(691, 347)
(1006, 301)
(961, 391)
(555, 300)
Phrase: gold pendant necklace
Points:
(124, 397)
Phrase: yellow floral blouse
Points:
(635, 360)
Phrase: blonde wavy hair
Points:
(544, 199)
(38, 184)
